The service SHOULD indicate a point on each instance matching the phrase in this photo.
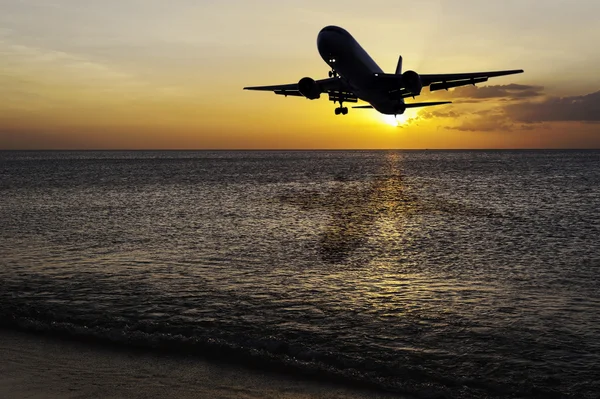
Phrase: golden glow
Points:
(396, 121)
(74, 76)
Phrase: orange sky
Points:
(133, 74)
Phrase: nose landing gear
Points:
(333, 74)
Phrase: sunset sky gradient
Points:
(152, 74)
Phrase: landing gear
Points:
(341, 110)
(333, 74)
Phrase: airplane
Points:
(354, 75)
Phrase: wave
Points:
(270, 353)
(266, 353)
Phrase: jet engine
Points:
(412, 82)
(309, 88)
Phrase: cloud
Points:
(475, 93)
(74, 66)
(485, 121)
(512, 107)
(431, 114)
(584, 108)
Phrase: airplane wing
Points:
(288, 90)
(448, 80)
(333, 86)
(442, 81)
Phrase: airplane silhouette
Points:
(354, 75)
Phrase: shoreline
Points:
(38, 366)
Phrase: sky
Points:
(156, 74)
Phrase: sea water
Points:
(460, 274)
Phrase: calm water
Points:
(464, 274)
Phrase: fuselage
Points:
(344, 55)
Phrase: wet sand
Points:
(34, 366)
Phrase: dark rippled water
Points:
(451, 274)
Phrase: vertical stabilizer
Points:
(399, 66)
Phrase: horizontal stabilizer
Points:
(417, 105)
(413, 105)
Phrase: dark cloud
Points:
(475, 93)
(584, 108)
(516, 107)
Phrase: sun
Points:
(395, 121)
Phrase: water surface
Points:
(458, 273)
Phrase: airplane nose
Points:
(331, 37)
(330, 41)
(321, 37)
(324, 39)
(323, 45)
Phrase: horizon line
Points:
(301, 149)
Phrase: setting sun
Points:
(397, 120)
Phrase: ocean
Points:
(456, 274)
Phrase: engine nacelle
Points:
(400, 108)
(309, 88)
(412, 82)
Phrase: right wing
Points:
(395, 83)
(447, 80)
(335, 87)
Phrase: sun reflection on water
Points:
(359, 210)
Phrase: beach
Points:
(34, 366)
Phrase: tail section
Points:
(399, 66)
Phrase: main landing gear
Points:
(341, 110)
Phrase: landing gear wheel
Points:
(333, 74)
(341, 111)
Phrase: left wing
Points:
(287, 90)
(335, 86)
